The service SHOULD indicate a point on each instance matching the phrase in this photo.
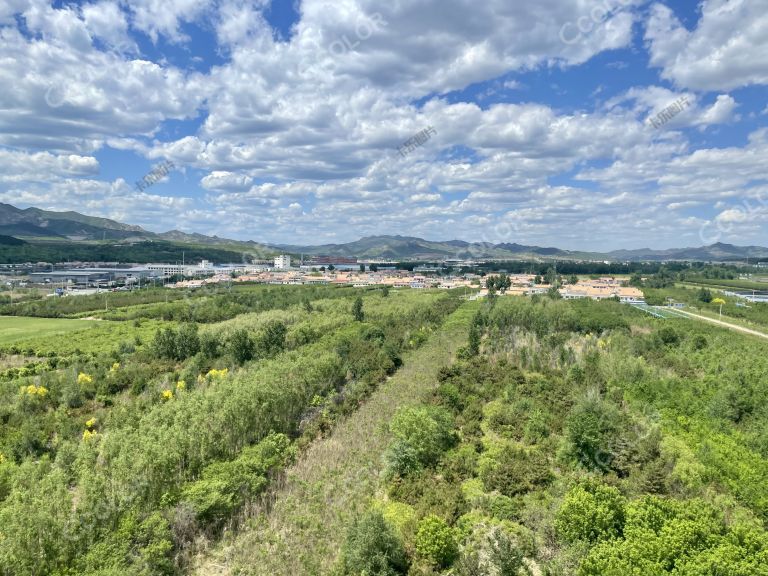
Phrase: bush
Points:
(421, 436)
(435, 541)
(372, 548)
(272, 339)
(210, 345)
(495, 553)
(177, 345)
(513, 470)
(591, 511)
(241, 346)
(669, 336)
(591, 431)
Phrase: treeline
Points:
(181, 305)
(142, 252)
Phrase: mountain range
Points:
(33, 225)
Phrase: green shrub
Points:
(241, 346)
(496, 553)
(591, 431)
(435, 541)
(422, 435)
(591, 511)
(513, 469)
(373, 549)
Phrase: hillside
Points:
(37, 223)
(718, 252)
(37, 226)
(412, 248)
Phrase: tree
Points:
(357, 309)
(591, 430)
(503, 282)
(187, 341)
(241, 346)
(373, 268)
(272, 339)
(719, 302)
(636, 280)
(422, 435)
(372, 548)
(705, 295)
(474, 340)
(573, 279)
(554, 293)
(362, 267)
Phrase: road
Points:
(726, 324)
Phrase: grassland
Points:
(14, 330)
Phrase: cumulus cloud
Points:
(725, 51)
(281, 136)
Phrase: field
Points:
(15, 329)
(301, 430)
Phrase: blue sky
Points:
(283, 119)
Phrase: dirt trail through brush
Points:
(304, 529)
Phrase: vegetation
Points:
(118, 461)
(145, 251)
(518, 436)
(583, 438)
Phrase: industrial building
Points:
(282, 262)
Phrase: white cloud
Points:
(297, 134)
(725, 51)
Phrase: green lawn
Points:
(14, 329)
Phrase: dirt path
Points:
(726, 324)
(335, 479)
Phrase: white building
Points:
(282, 262)
(168, 269)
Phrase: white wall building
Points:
(282, 262)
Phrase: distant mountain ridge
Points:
(409, 247)
(36, 225)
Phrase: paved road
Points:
(726, 324)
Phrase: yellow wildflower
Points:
(217, 374)
(84, 378)
(88, 435)
(115, 367)
(167, 394)
(2, 458)
(181, 385)
(91, 423)
(33, 390)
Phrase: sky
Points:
(581, 124)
